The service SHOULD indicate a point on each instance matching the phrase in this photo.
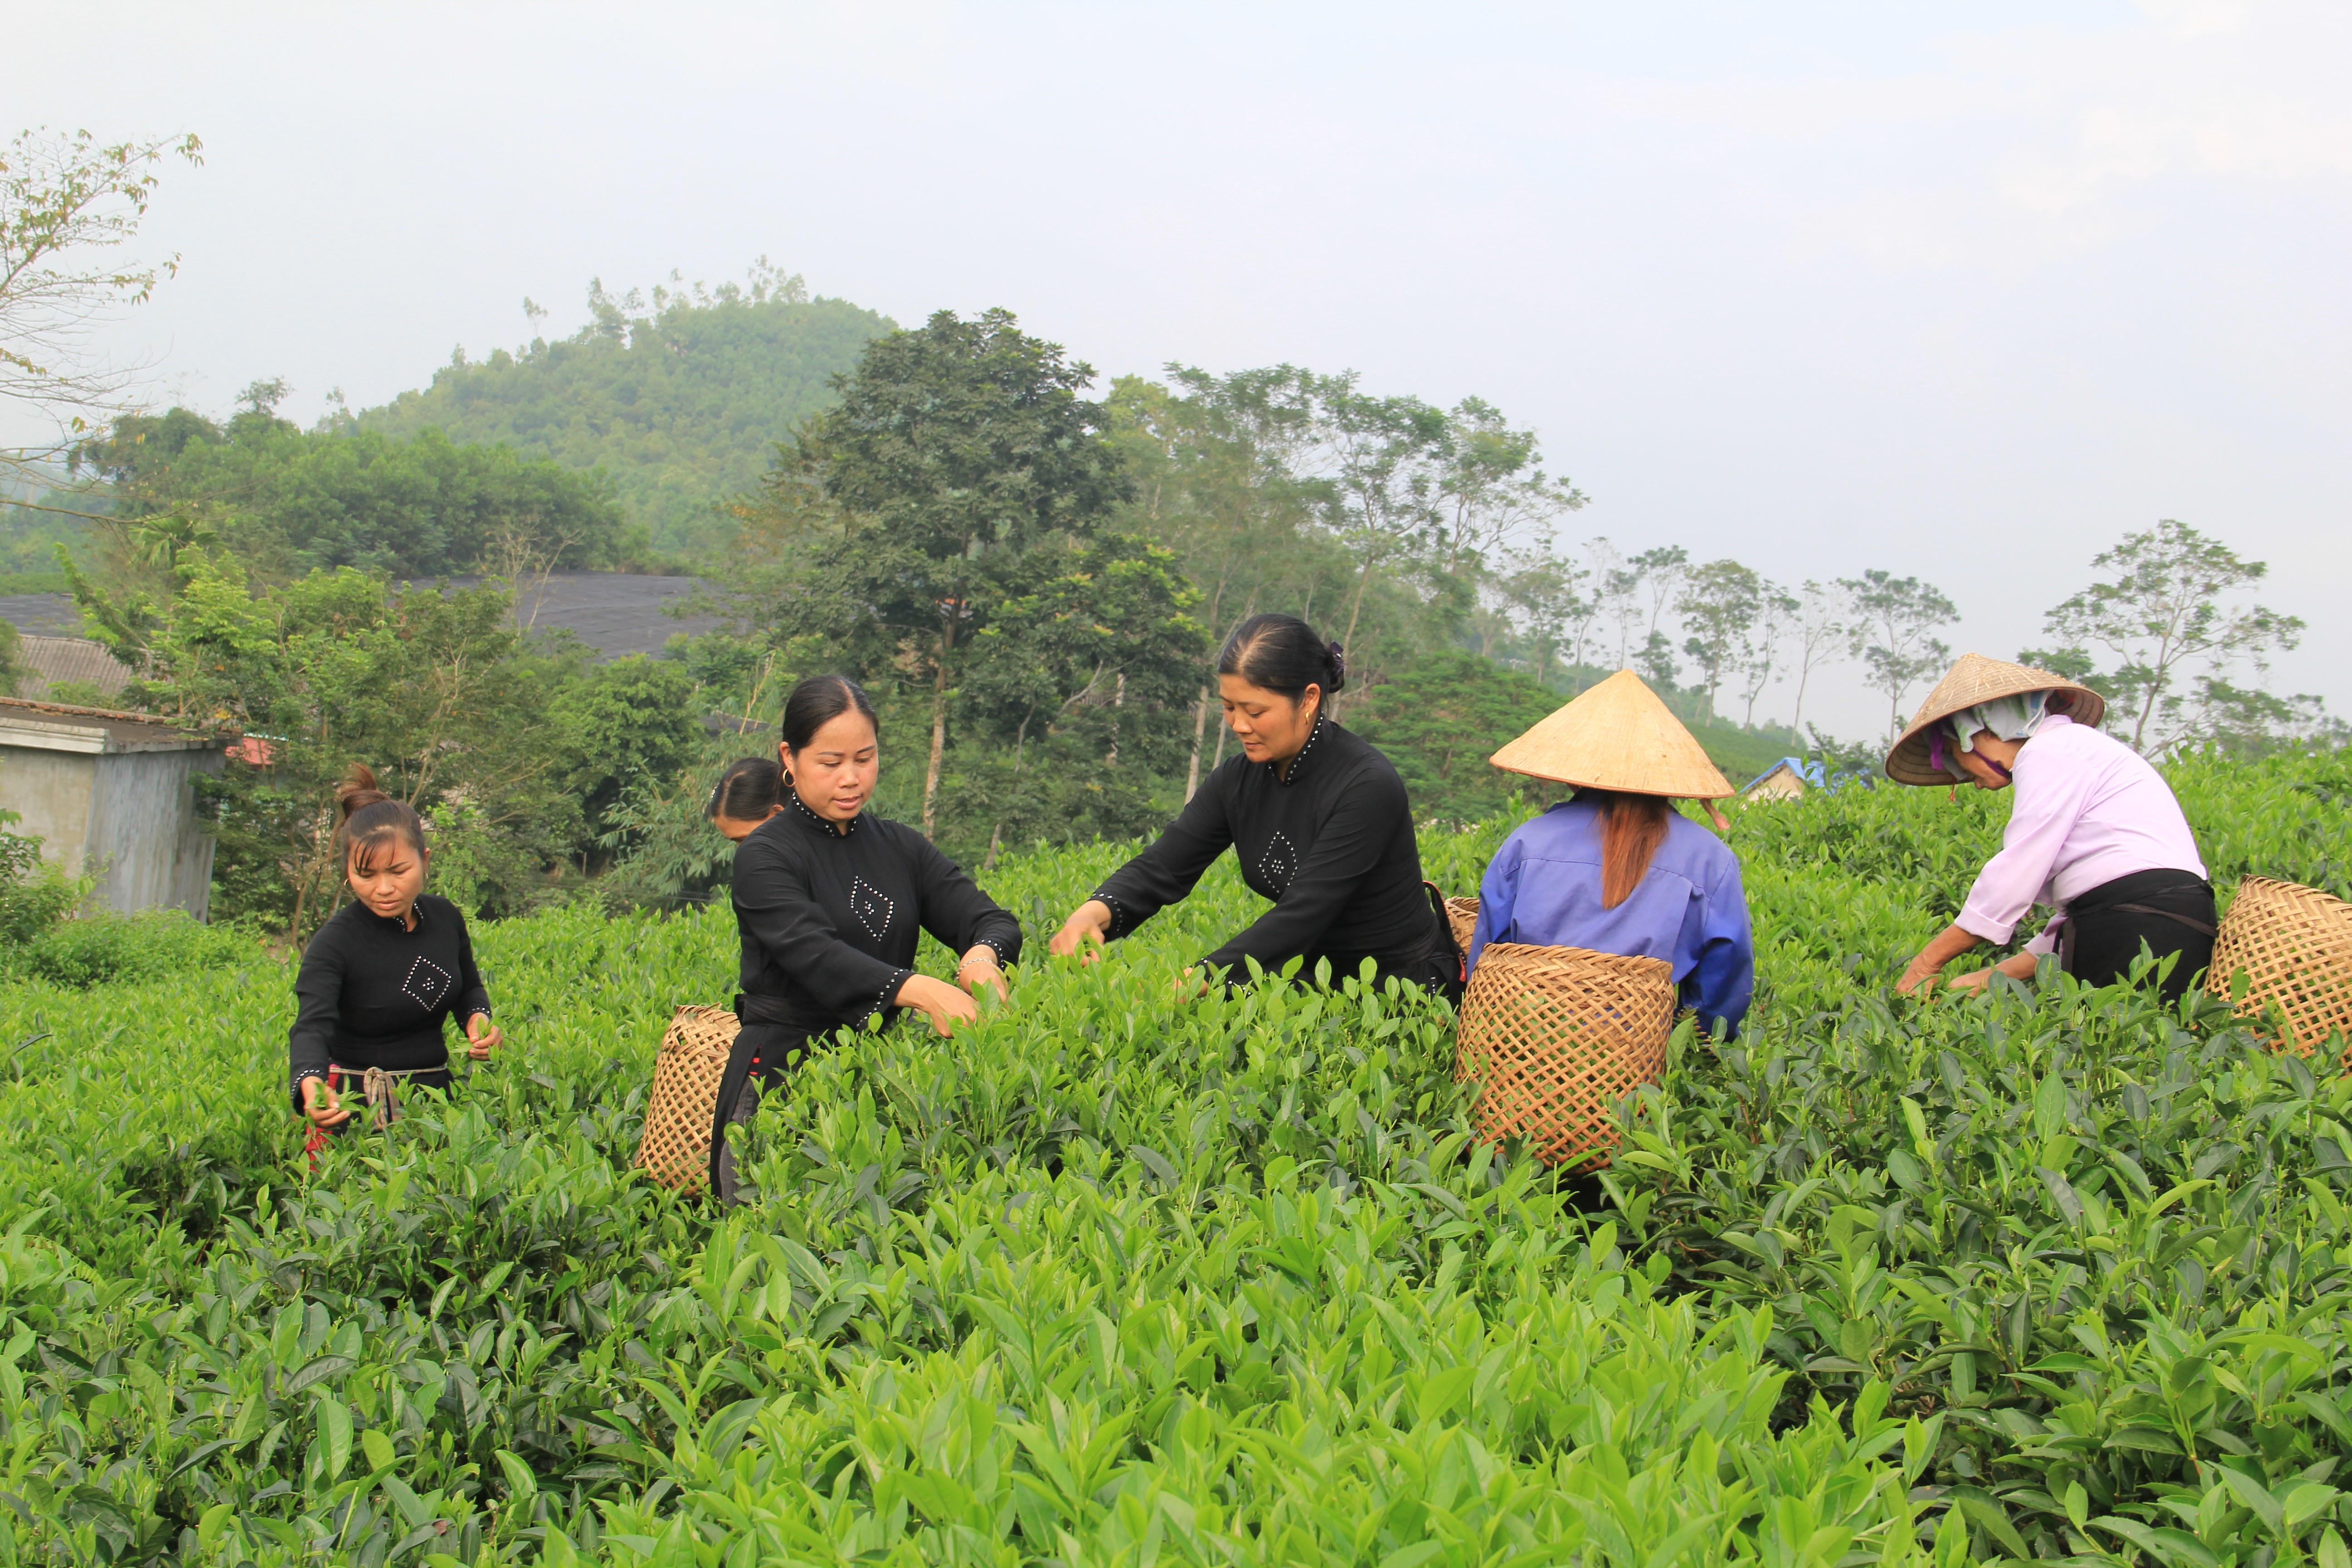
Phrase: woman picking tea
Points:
(1615, 868)
(830, 901)
(380, 980)
(2095, 833)
(1317, 818)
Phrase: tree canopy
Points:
(679, 401)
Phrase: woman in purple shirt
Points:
(1617, 869)
(2094, 833)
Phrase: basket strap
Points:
(1446, 931)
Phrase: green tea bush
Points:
(102, 947)
(2050, 1273)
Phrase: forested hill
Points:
(679, 405)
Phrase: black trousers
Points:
(2169, 912)
(761, 1055)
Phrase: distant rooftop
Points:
(63, 727)
(615, 613)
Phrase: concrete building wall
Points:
(51, 792)
(143, 831)
(127, 819)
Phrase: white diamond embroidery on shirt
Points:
(871, 910)
(428, 982)
(1279, 863)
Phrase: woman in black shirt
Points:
(831, 899)
(381, 978)
(1318, 817)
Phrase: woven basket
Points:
(1556, 1038)
(676, 1149)
(2295, 944)
(1462, 914)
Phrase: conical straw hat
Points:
(1617, 736)
(1975, 679)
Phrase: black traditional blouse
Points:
(830, 920)
(1331, 845)
(374, 994)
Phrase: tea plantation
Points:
(2053, 1273)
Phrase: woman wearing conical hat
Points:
(2093, 834)
(1616, 869)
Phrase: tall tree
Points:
(1384, 460)
(1818, 629)
(1663, 569)
(956, 447)
(1617, 592)
(1776, 616)
(1215, 464)
(67, 204)
(1890, 625)
(2163, 611)
(1491, 488)
(1553, 612)
(1718, 605)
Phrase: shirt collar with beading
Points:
(1298, 758)
(813, 820)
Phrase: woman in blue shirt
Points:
(1616, 869)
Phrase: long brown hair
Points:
(1631, 828)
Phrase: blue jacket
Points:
(1544, 889)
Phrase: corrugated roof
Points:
(119, 729)
(52, 659)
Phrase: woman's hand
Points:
(482, 1036)
(1948, 946)
(322, 1105)
(937, 1000)
(979, 968)
(1190, 986)
(1083, 929)
(2017, 966)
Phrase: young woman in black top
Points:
(379, 980)
(1318, 817)
(831, 899)
(745, 797)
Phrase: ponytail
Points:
(366, 817)
(1631, 828)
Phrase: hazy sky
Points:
(1960, 290)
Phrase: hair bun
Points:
(358, 789)
(1339, 666)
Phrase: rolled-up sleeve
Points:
(776, 909)
(2048, 804)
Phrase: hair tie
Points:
(1339, 666)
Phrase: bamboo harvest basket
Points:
(2295, 944)
(1556, 1038)
(676, 1148)
(1462, 914)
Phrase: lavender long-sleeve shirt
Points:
(2087, 809)
(1543, 887)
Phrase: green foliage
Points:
(680, 407)
(434, 691)
(102, 947)
(35, 895)
(622, 723)
(1441, 717)
(287, 501)
(2050, 1273)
